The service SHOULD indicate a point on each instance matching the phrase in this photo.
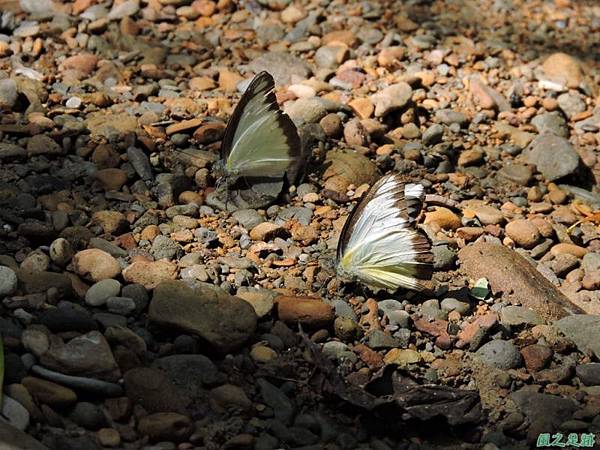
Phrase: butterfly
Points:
(260, 140)
(380, 244)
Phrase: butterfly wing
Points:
(380, 244)
(260, 140)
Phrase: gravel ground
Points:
(140, 311)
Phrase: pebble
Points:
(552, 122)
(523, 233)
(553, 156)
(108, 437)
(518, 315)
(589, 373)
(165, 426)
(8, 93)
(305, 310)
(391, 98)
(150, 273)
(8, 281)
(536, 356)
(49, 393)
(444, 218)
(563, 69)
(88, 355)
(194, 310)
(500, 354)
(433, 134)
(98, 293)
(228, 395)
(96, 264)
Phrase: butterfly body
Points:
(380, 244)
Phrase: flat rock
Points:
(553, 156)
(222, 320)
(88, 355)
(583, 331)
(150, 273)
(517, 315)
(518, 281)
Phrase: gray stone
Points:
(518, 315)
(582, 329)
(591, 262)
(589, 374)
(190, 372)
(282, 406)
(120, 305)
(520, 174)
(378, 340)
(8, 281)
(140, 162)
(430, 309)
(500, 354)
(282, 66)
(306, 110)
(299, 213)
(99, 292)
(571, 103)
(90, 385)
(433, 134)
(452, 304)
(343, 309)
(88, 415)
(248, 218)
(553, 156)
(88, 355)
(443, 257)
(391, 98)
(15, 412)
(8, 93)
(164, 248)
(395, 313)
(551, 409)
(449, 117)
(552, 122)
(125, 9)
(224, 321)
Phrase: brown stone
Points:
(536, 356)
(150, 273)
(165, 426)
(111, 179)
(96, 264)
(308, 311)
(519, 282)
(443, 217)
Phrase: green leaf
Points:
(481, 289)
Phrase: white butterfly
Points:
(380, 244)
(260, 140)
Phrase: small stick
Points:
(434, 199)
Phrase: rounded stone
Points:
(8, 281)
(500, 354)
(101, 291)
(524, 233)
